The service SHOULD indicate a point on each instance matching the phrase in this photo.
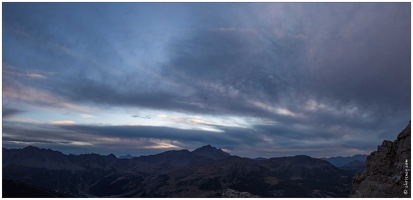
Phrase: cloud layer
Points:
(320, 75)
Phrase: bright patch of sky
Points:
(142, 117)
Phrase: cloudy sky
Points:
(254, 79)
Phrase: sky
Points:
(254, 79)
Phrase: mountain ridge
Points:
(340, 161)
(204, 172)
(211, 152)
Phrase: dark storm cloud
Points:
(20, 131)
(338, 69)
(336, 54)
(122, 137)
(230, 68)
(343, 54)
(7, 139)
(364, 58)
(308, 137)
(7, 111)
(353, 59)
(89, 81)
(232, 136)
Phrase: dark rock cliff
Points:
(387, 171)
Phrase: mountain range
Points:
(354, 164)
(340, 161)
(204, 172)
(128, 156)
(207, 172)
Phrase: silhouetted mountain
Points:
(340, 161)
(260, 158)
(127, 157)
(387, 171)
(54, 160)
(204, 172)
(211, 152)
(39, 158)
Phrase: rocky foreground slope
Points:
(387, 171)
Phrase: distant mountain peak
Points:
(207, 146)
(340, 161)
(31, 147)
(302, 156)
(211, 152)
(260, 158)
(177, 151)
(128, 156)
(111, 156)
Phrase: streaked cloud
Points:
(63, 122)
(7, 112)
(25, 120)
(32, 74)
(36, 76)
(87, 116)
(31, 95)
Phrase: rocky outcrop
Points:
(230, 193)
(387, 171)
